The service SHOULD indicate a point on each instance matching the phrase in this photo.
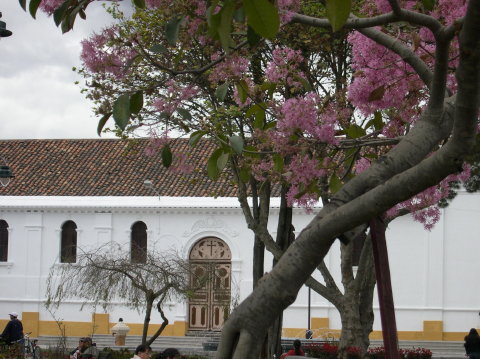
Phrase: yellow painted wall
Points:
(100, 324)
(432, 330)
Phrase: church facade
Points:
(91, 192)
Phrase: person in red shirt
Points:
(297, 350)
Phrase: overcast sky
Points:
(38, 97)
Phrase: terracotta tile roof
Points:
(103, 167)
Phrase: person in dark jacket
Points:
(472, 344)
(13, 331)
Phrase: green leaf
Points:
(225, 26)
(259, 121)
(338, 12)
(121, 111)
(213, 20)
(221, 91)
(334, 184)
(222, 161)
(167, 156)
(269, 125)
(278, 162)
(102, 122)
(59, 13)
(239, 15)
(158, 49)
(355, 131)
(23, 4)
(428, 4)
(184, 113)
(377, 94)
(33, 7)
(252, 37)
(251, 111)
(377, 121)
(136, 102)
(259, 111)
(195, 137)
(244, 175)
(184, 127)
(263, 17)
(306, 85)
(172, 30)
(139, 3)
(237, 144)
(212, 168)
(242, 89)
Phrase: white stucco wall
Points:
(434, 274)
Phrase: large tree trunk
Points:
(285, 236)
(356, 311)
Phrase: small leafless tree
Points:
(107, 274)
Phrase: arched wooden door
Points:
(209, 307)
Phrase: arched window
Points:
(3, 241)
(68, 250)
(138, 243)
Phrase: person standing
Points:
(472, 344)
(170, 353)
(143, 351)
(13, 331)
(85, 349)
(296, 351)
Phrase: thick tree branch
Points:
(401, 50)
(361, 23)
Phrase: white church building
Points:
(91, 192)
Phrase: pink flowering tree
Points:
(273, 110)
(283, 113)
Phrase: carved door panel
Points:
(211, 276)
(199, 303)
(220, 304)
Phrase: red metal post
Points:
(384, 289)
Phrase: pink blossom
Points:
(284, 67)
(155, 3)
(262, 169)
(286, 8)
(233, 67)
(302, 114)
(423, 206)
(49, 6)
(101, 54)
(180, 164)
(174, 96)
(236, 95)
(301, 171)
(362, 165)
(156, 142)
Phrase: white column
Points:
(33, 260)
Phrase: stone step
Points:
(195, 344)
